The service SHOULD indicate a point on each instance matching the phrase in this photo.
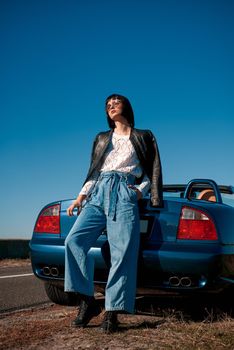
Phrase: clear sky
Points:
(60, 59)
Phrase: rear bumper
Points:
(211, 269)
(182, 269)
(53, 256)
(43, 255)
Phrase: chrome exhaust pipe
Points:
(174, 281)
(54, 271)
(185, 282)
(46, 270)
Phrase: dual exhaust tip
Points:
(50, 271)
(176, 281)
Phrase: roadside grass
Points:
(156, 327)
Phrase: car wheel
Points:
(57, 295)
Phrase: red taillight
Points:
(195, 224)
(49, 220)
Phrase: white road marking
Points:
(23, 275)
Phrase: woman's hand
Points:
(76, 204)
(138, 192)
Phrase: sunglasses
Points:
(113, 103)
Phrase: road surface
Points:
(19, 288)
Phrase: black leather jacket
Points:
(146, 149)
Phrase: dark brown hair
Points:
(127, 110)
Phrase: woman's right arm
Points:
(76, 204)
(85, 191)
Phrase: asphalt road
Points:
(19, 289)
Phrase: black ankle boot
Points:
(88, 309)
(110, 322)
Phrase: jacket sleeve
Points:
(91, 164)
(157, 183)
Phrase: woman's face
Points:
(114, 108)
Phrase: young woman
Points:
(125, 164)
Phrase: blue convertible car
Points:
(186, 246)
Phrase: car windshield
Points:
(228, 199)
(173, 194)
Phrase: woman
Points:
(125, 164)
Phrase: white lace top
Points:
(120, 156)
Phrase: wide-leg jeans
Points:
(113, 205)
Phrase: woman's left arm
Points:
(143, 188)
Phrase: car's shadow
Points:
(185, 308)
(198, 308)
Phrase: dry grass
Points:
(49, 328)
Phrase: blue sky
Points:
(59, 61)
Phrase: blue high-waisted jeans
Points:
(113, 205)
